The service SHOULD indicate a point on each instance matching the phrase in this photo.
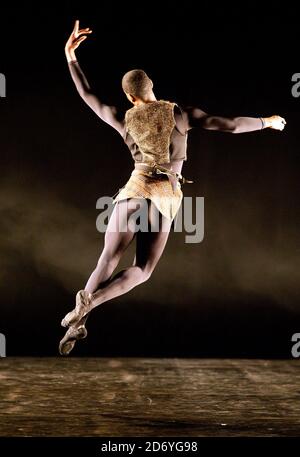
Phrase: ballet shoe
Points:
(72, 335)
(83, 300)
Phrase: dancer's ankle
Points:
(95, 299)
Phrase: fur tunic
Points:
(150, 126)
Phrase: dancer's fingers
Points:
(87, 30)
(80, 40)
(282, 122)
(83, 32)
(76, 26)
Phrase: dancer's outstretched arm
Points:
(107, 113)
(195, 117)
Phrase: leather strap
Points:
(156, 169)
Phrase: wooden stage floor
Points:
(134, 397)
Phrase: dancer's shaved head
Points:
(137, 83)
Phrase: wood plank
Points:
(149, 397)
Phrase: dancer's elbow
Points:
(84, 93)
(235, 129)
(234, 126)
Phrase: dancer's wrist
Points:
(267, 122)
(70, 55)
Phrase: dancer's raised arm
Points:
(195, 117)
(107, 113)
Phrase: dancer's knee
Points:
(136, 275)
(145, 274)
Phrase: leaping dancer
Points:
(155, 132)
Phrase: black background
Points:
(234, 294)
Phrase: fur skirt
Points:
(158, 189)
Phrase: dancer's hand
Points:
(275, 122)
(76, 38)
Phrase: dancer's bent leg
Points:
(115, 243)
(119, 234)
(149, 248)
